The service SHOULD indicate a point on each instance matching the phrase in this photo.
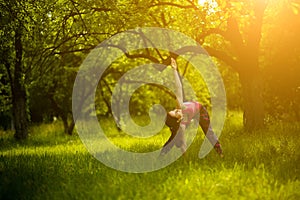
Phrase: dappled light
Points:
(149, 99)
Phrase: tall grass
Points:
(263, 164)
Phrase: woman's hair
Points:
(172, 122)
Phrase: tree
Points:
(230, 31)
(238, 27)
(245, 60)
(26, 48)
(5, 101)
(12, 51)
(36, 37)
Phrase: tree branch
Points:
(229, 60)
(190, 49)
(155, 85)
(101, 9)
(133, 56)
(171, 4)
(218, 31)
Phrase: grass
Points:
(50, 165)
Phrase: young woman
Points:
(178, 119)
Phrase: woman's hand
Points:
(173, 63)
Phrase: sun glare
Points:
(210, 4)
(202, 2)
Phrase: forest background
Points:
(254, 44)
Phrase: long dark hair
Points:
(172, 122)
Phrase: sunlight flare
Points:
(210, 4)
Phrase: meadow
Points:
(264, 164)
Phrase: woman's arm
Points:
(178, 84)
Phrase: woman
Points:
(178, 119)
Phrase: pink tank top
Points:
(189, 110)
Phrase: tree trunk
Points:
(68, 128)
(251, 79)
(71, 127)
(19, 113)
(253, 106)
(19, 93)
(65, 123)
(63, 114)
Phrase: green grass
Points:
(50, 165)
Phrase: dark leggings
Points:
(204, 122)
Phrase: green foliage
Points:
(50, 165)
(57, 35)
(5, 93)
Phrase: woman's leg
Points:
(204, 122)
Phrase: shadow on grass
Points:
(9, 143)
